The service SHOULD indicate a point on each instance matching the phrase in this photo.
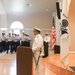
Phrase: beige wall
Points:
(42, 21)
(71, 17)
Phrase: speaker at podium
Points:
(24, 60)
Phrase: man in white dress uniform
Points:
(37, 49)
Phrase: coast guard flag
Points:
(53, 34)
(64, 38)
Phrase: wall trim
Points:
(71, 51)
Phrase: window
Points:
(16, 27)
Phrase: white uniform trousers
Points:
(39, 66)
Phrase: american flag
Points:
(53, 34)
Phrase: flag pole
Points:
(66, 70)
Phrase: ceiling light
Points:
(29, 5)
(47, 9)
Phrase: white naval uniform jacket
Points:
(38, 43)
(36, 48)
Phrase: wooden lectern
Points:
(24, 60)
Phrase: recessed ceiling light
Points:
(47, 9)
(29, 5)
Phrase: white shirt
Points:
(17, 38)
(27, 38)
(13, 37)
(0, 39)
(9, 38)
(38, 43)
(23, 38)
(3, 38)
(47, 39)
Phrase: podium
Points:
(24, 60)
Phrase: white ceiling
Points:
(20, 7)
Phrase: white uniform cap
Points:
(37, 29)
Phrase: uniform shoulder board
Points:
(37, 36)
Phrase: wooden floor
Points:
(8, 64)
(55, 65)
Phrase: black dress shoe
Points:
(43, 56)
(6, 52)
(11, 52)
